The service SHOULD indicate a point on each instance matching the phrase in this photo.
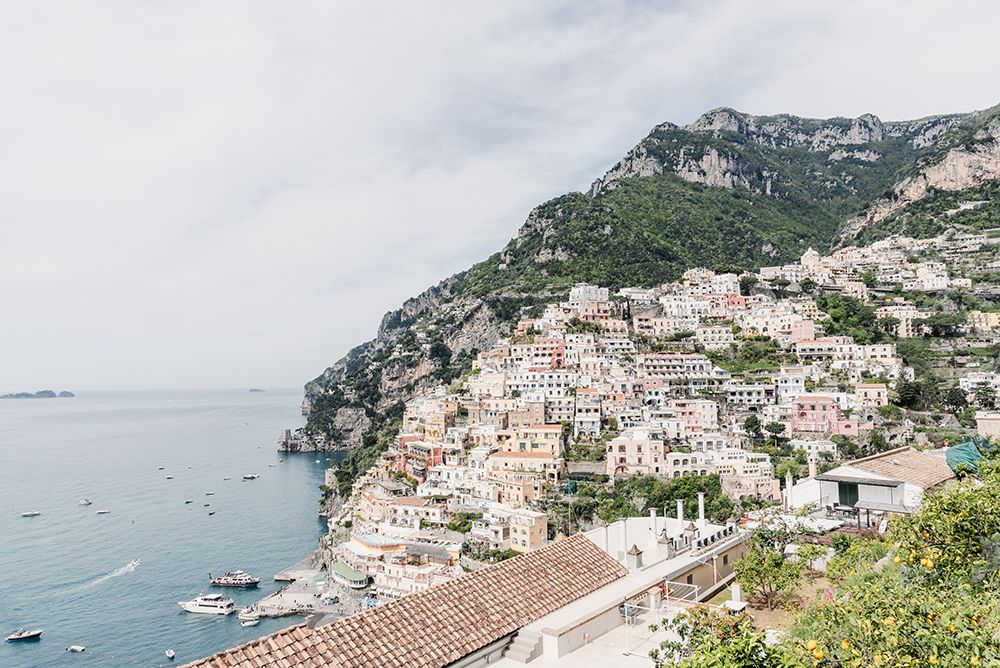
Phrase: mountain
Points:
(729, 190)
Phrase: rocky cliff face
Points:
(969, 165)
(728, 189)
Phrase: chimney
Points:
(624, 533)
(633, 558)
(701, 509)
(788, 490)
(680, 510)
(607, 539)
(654, 536)
(812, 467)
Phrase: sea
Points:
(141, 455)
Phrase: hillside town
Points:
(743, 378)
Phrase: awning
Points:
(883, 507)
(878, 482)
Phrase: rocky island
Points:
(42, 394)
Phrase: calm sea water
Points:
(64, 571)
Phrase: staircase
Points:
(527, 645)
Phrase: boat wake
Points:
(121, 570)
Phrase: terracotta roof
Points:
(436, 627)
(409, 501)
(908, 465)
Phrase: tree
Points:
(808, 285)
(752, 426)
(779, 285)
(774, 429)
(954, 399)
(766, 575)
(869, 279)
(986, 396)
(747, 283)
(877, 442)
(709, 637)
(808, 553)
(908, 392)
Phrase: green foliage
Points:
(850, 317)
(462, 521)
(930, 216)
(577, 326)
(766, 575)
(713, 638)
(619, 500)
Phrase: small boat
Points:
(248, 614)
(76, 648)
(213, 604)
(209, 493)
(170, 477)
(250, 476)
(31, 513)
(211, 512)
(250, 622)
(23, 634)
(103, 512)
(227, 478)
(235, 579)
(189, 501)
(207, 505)
(160, 468)
(134, 564)
(84, 502)
(170, 654)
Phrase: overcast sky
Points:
(231, 194)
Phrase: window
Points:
(690, 579)
(725, 559)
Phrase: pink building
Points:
(821, 414)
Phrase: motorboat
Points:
(84, 502)
(31, 513)
(248, 614)
(170, 654)
(189, 501)
(211, 512)
(213, 604)
(134, 564)
(24, 634)
(250, 476)
(227, 478)
(103, 512)
(170, 477)
(160, 468)
(235, 579)
(250, 622)
(76, 648)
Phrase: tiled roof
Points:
(908, 465)
(436, 627)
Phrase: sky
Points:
(231, 194)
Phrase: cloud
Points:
(231, 194)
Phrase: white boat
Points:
(84, 502)
(235, 579)
(209, 493)
(170, 654)
(23, 634)
(134, 564)
(103, 512)
(213, 604)
(31, 513)
(76, 648)
(248, 614)
(250, 476)
(250, 622)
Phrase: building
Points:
(889, 482)
(814, 413)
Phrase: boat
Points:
(250, 622)
(209, 493)
(235, 579)
(84, 502)
(134, 564)
(248, 614)
(211, 512)
(227, 478)
(207, 505)
(23, 634)
(160, 468)
(103, 512)
(76, 648)
(250, 476)
(189, 501)
(170, 654)
(213, 604)
(31, 513)
(170, 477)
